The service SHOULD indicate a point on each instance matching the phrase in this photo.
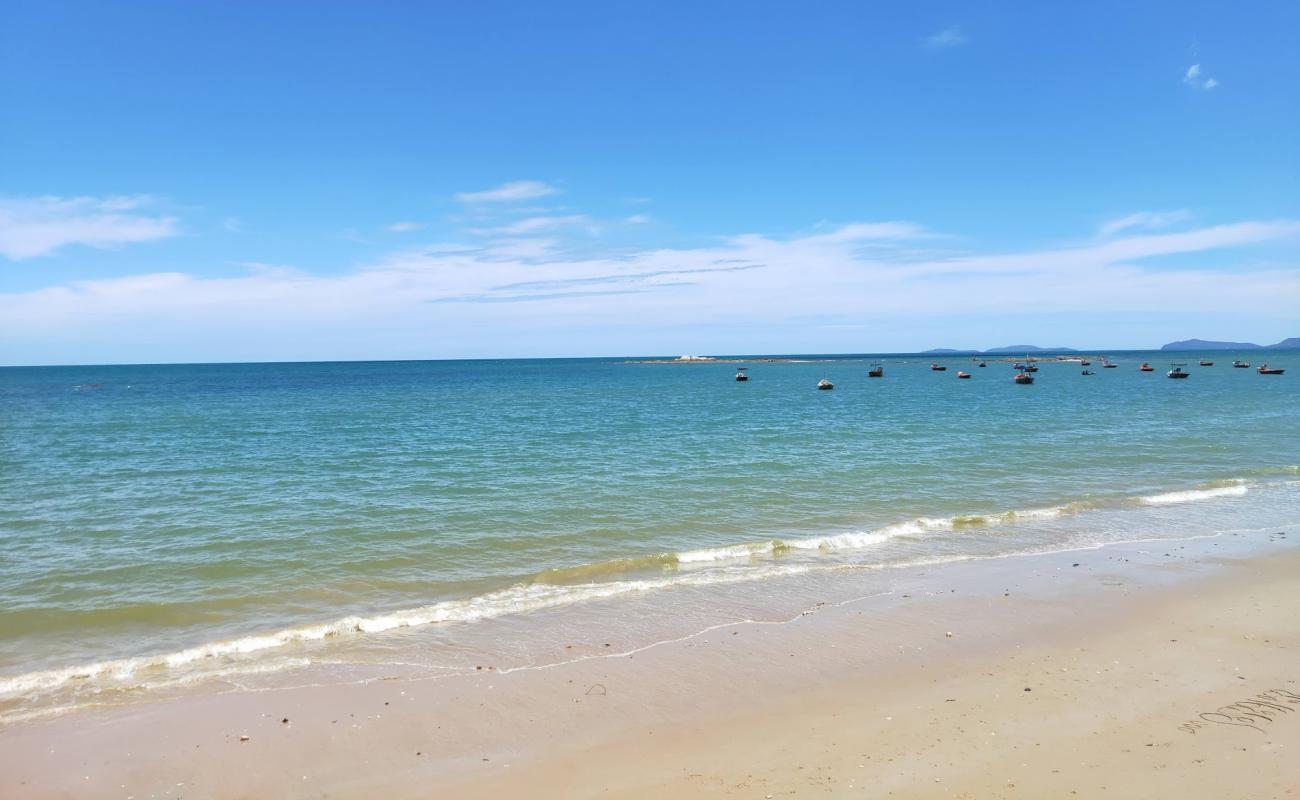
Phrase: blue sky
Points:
(228, 181)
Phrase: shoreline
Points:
(760, 579)
(726, 704)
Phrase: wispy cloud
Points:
(1193, 79)
(507, 192)
(621, 277)
(36, 226)
(403, 227)
(530, 225)
(948, 37)
(1142, 220)
(755, 282)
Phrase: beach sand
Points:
(1124, 671)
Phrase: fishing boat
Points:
(1085, 363)
(982, 364)
(1177, 371)
(1023, 377)
(1087, 372)
(1265, 369)
(1031, 368)
(825, 384)
(1146, 367)
(1241, 364)
(1105, 364)
(938, 367)
(1205, 363)
(876, 371)
(963, 374)
(741, 374)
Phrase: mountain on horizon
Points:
(1029, 348)
(1205, 344)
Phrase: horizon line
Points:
(931, 352)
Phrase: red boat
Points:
(1264, 369)
(1146, 367)
(1023, 377)
(938, 367)
(876, 372)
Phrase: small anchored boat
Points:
(1206, 363)
(1177, 371)
(1087, 372)
(983, 364)
(1146, 367)
(938, 367)
(1265, 369)
(1023, 376)
(1241, 364)
(741, 374)
(1105, 364)
(876, 371)
(1085, 363)
(825, 384)
(963, 374)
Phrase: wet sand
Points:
(1156, 670)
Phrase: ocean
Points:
(207, 527)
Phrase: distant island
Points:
(1014, 348)
(1203, 344)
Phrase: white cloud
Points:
(35, 226)
(403, 227)
(1142, 220)
(515, 190)
(537, 224)
(638, 219)
(1193, 79)
(948, 37)
(520, 294)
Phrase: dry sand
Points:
(1161, 670)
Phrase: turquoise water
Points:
(161, 522)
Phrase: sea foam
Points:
(1236, 489)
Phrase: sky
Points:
(233, 181)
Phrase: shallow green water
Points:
(149, 510)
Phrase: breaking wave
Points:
(559, 587)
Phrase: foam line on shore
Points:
(1207, 492)
(556, 588)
